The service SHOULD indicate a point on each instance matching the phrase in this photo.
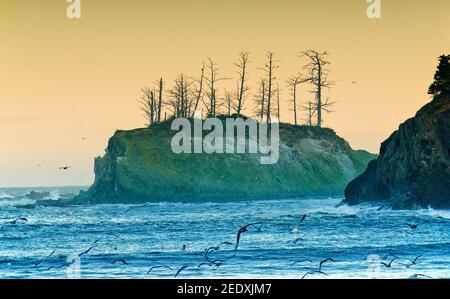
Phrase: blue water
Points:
(357, 238)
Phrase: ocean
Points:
(126, 241)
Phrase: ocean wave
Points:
(5, 195)
(445, 214)
(16, 202)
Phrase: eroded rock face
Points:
(413, 168)
(139, 166)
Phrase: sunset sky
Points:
(63, 79)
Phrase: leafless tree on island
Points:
(160, 99)
(269, 70)
(242, 87)
(318, 73)
(278, 109)
(148, 104)
(260, 100)
(292, 84)
(198, 90)
(211, 80)
(228, 101)
(179, 96)
(310, 109)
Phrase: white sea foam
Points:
(16, 202)
(54, 195)
(436, 213)
(5, 195)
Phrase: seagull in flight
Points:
(417, 276)
(159, 266)
(414, 261)
(242, 230)
(313, 272)
(325, 261)
(414, 225)
(41, 261)
(389, 265)
(13, 222)
(181, 269)
(295, 241)
(87, 250)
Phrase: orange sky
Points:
(63, 79)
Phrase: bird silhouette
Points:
(181, 269)
(14, 222)
(414, 225)
(313, 272)
(417, 276)
(325, 261)
(121, 261)
(295, 241)
(242, 230)
(389, 265)
(159, 266)
(45, 258)
(413, 261)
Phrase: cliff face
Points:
(413, 168)
(139, 166)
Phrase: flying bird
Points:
(65, 167)
(159, 266)
(415, 225)
(13, 222)
(181, 269)
(121, 261)
(41, 261)
(17, 219)
(417, 276)
(87, 250)
(295, 241)
(325, 261)
(303, 218)
(216, 263)
(413, 262)
(389, 265)
(313, 272)
(242, 230)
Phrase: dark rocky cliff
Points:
(413, 167)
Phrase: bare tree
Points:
(260, 99)
(278, 101)
(318, 75)
(211, 93)
(148, 104)
(310, 112)
(269, 70)
(179, 95)
(160, 100)
(199, 89)
(228, 101)
(242, 88)
(292, 84)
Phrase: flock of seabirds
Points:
(387, 262)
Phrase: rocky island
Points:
(139, 166)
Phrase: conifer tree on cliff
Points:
(441, 84)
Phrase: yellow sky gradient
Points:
(63, 79)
